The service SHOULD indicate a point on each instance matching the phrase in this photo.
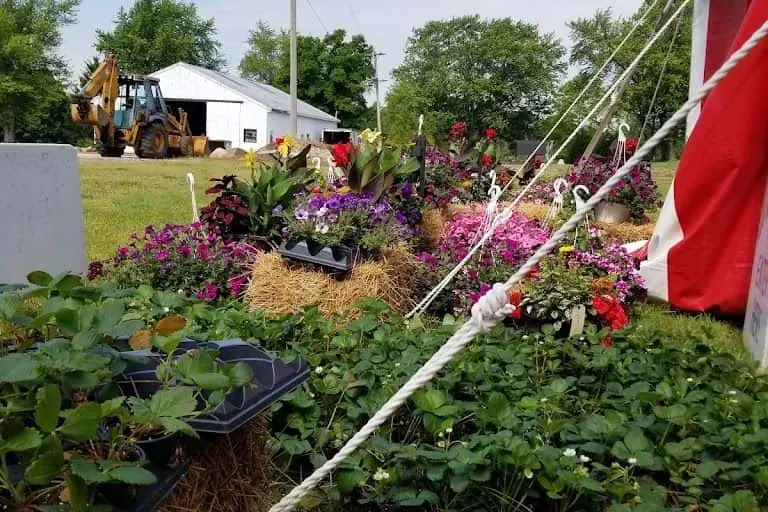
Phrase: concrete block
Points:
(41, 211)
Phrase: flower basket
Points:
(612, 213)
(340, 258)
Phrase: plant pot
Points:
(159, 450)
(612, 213)
(340, 258)
(119, 492)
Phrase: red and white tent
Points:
(700, 255)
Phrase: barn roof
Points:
(271, 97)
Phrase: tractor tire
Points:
(111, 152)
(186, 146)
(154, 142)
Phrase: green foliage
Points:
(30, 34)
(154, 34)
(537, 421)
(498, 73)
(594, 39)
(374, 166)
(333, 74)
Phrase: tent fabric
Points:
(700, 256)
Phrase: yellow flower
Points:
(250, 158)
(566, 249)
(344, 189)
(289, 141)
(370, 136)
(467, 184)
(283, 149)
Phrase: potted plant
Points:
(629, 199)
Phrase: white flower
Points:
(582, 338)
(528, 473)
(525, 337)
(541, 343)
(397, 365)
(442, 444)
(380, 475)
(180, 292)
(449, 430)
(166, 309)
(632, 461)
(544, 399)
(319, 370)
(732, 392)
(569, 452)
(311, 395)
(441, 434)
(734, 401)
(322, 211)
(584, 458)
(321, 228)
(689, 379)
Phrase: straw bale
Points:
(280, 286)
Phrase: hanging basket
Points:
(612, 213)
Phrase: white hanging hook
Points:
(560, 185)
(316, 162)
(421, 123)
(191, 183)
(622, 134)
(580, 203)
(331, 176)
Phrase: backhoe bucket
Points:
(87, 114)
(200, 146)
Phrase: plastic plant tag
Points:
(578, 318)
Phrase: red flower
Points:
(535, 273)
(490, 133)
(279, 141)
(538, 163)
(486, 160)
(631, 146)
(458, 129)
(515, 297)
(607, 342)
(610, 311)
(340, 153)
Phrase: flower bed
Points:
(599, 276)
(192, 260)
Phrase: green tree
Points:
(30, 69)
(262, 61)
(500, 73)
(154, 34)
(664, 70)
(333, 73)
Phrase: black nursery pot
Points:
(119, 493)
(160, 450)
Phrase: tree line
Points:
(500, 73)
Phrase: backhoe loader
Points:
(131, 111)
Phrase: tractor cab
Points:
(139, 100)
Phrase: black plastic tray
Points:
(339, 258)
(148, 497)
(272, 378)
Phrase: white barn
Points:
(234, 111)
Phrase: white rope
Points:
(661, 79)
(494, 306)
(578, 98)
(191, 183)
(507, 213)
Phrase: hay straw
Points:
(281, 287)
(227, 474)
(624, 232)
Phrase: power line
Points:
(355, 19)
(318, 17)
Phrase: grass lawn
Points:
(123, 196)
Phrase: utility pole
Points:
(294, 73)
(376, 82)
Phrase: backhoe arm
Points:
(103, 82)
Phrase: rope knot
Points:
(492, 308)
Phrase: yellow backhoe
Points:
(132, 112)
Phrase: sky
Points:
(385, 24)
